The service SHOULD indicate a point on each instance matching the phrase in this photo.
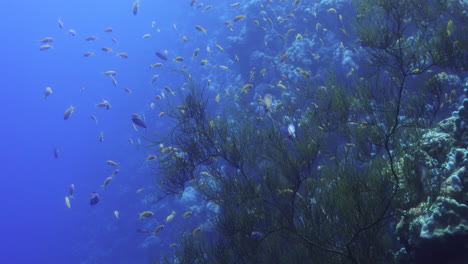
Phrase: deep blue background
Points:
(35, 225)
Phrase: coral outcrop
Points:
(437, 231)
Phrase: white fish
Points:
(291, 131)
(67, 202)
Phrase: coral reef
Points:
(437, 231)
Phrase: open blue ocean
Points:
(274, 131)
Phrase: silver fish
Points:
(291, 131)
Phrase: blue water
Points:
(36, 226)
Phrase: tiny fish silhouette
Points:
(139, 122)
(94, 198)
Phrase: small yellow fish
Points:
(112, 163)
(280, 85)
(46, 40)
(94, 118)
(68, 112)
(170, 217)
(187, 214)
(146, 214)
(146, 36)
(169, 90)
(267, 101)
(321, 40)
(217, 98)
(60, 23)
(135, 7)
(122, 55)
(450, 27)
(239, 18)
(351, 72)
(200, 28)
(284, 57)
(116, 213)
(90, 38)
(246, 88)
(71, 190)
(139, 190)
(45, 47)
(303, 73)
(67, 202)
(104, 104)
(150, 157)
(114, 81)
(203, 62)
(106, 182)
(195, 53)
(285, 191)
(196, 231)
(110, 73)
(289, 31)
(154, 78)
(158, 229)
(219, 47)
(47, 92)
(154, 65)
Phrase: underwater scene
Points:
(225, 132)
